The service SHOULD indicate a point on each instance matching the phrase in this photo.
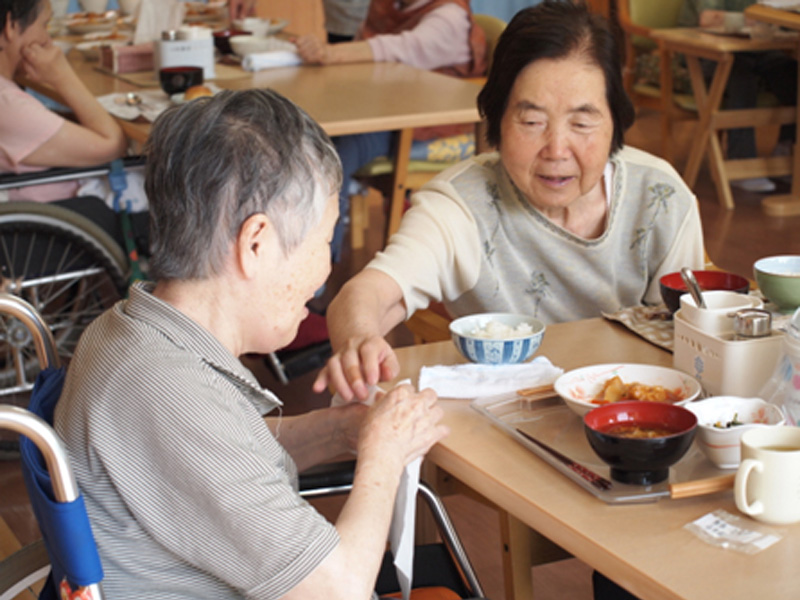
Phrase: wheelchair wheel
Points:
(68, 268)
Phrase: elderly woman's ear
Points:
(257, 241)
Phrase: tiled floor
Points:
(734, 240)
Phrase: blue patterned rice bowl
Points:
(497, 338)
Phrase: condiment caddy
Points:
(733, 364)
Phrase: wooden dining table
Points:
(343, 99)
(643, 547)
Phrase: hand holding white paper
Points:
(156, 16)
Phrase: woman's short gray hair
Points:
(215, 161)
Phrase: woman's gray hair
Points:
(215, 161)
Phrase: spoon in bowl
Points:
(694, 288)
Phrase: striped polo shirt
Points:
(189, 493)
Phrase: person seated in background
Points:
(190, 488)
(437, 35)
(774, 71)
(343, 18)
(35, 138)
(563, 222)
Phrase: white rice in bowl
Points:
(494, 330)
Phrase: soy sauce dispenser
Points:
(783, 388)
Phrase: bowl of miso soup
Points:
(640, 441)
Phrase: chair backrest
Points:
(657, 15)
(648, 14)
(52, 488)
(492, 28)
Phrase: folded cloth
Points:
(270, 60)
(475, 380)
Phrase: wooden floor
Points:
(734, 241)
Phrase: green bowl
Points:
(778, 278)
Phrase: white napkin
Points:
(270, 60)
(476, 380)
(402, 528)
(156, 16)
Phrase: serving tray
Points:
(549, 421)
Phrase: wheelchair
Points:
(53, 490)
(67, 266)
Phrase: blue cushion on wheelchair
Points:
(65, 525)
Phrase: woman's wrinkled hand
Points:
(45, 63)
(312, 50)
(402, 425)
(357, 366)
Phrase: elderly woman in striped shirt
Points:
(191, 490)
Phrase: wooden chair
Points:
(395, 177)
(637, 19)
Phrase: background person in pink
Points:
(436, 35)
(32, 137)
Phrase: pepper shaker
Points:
(749, 323)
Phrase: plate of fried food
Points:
(89, 22)
(200, 12)
(589, 387)
(90, 47)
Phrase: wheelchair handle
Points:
(24, 422)
(42, 337)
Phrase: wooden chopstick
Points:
(687, 489)
(547, 389)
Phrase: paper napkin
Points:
(476, 380)
(270, 60)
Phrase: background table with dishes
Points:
(643, 546)
(343, 99)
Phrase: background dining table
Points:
(343, 99)
(644, 547)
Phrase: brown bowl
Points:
(222, 39)
(176, 80)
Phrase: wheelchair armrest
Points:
(327, 478)
(57, 174)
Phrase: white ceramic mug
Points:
(767, 483)
(93, 6)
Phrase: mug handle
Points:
(740, 487)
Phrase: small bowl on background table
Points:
(673, 287)
(778, 278)
(666, 431)
(497, 338)
(222, 39)
(176, 80)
